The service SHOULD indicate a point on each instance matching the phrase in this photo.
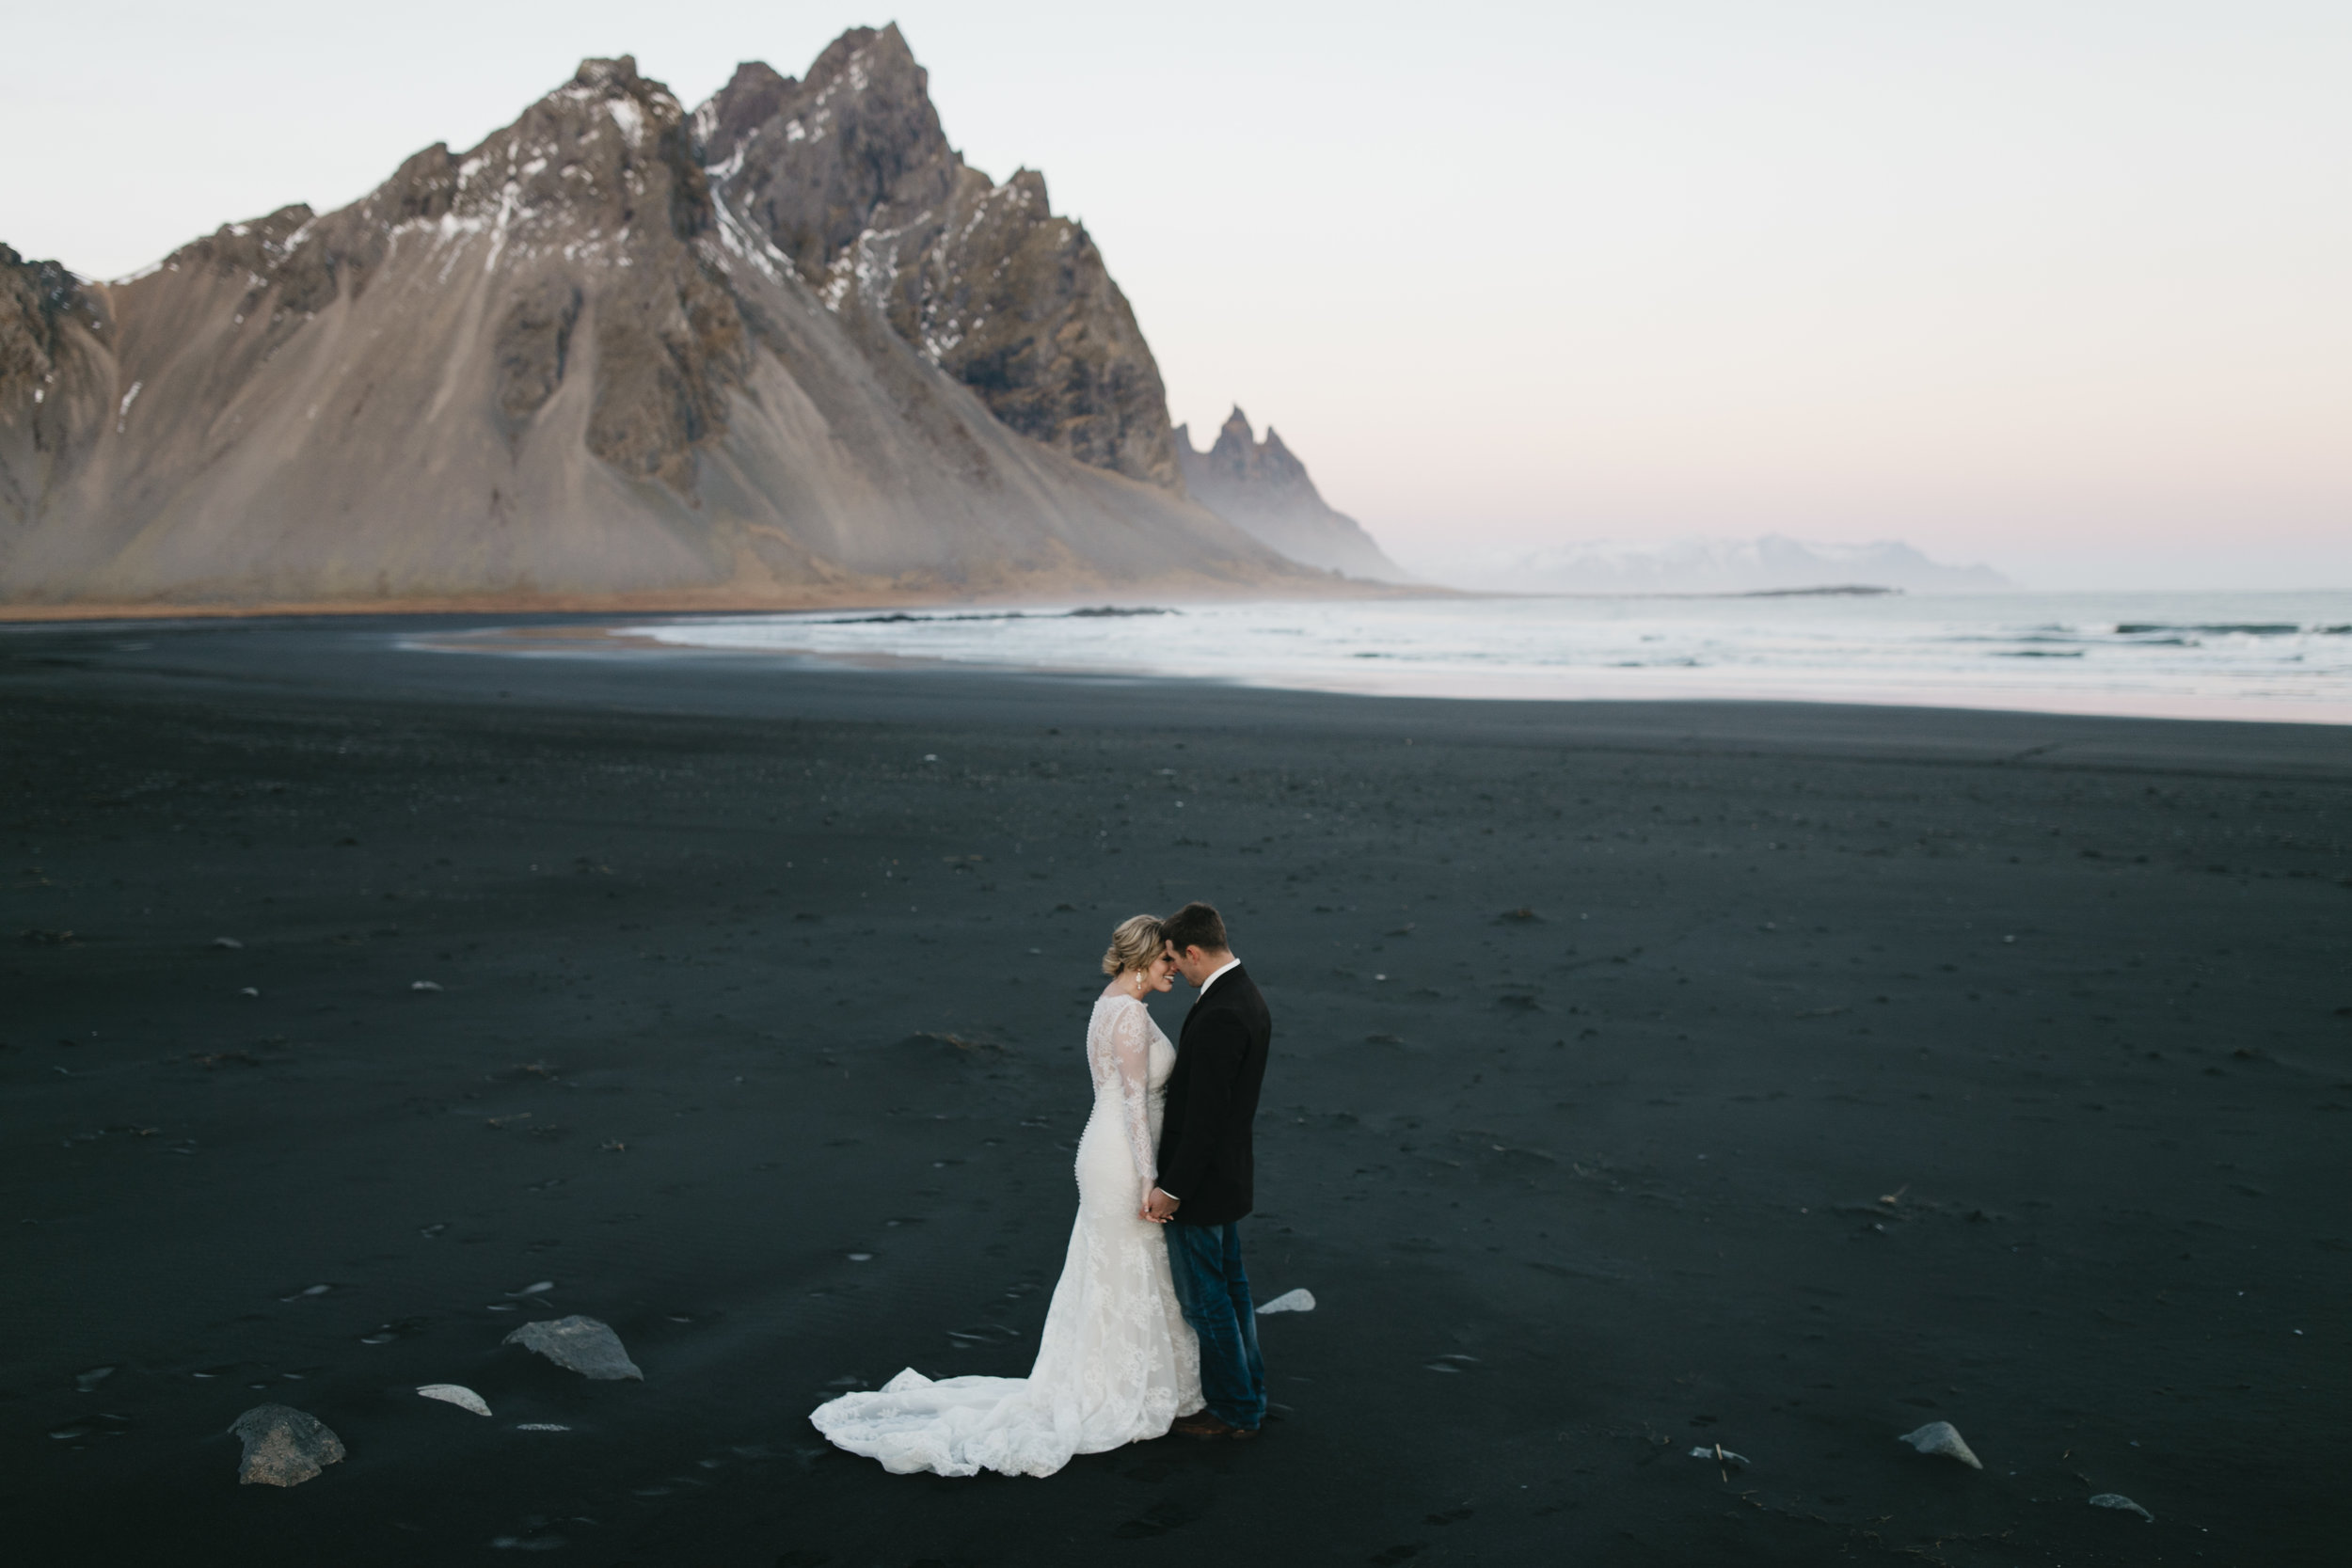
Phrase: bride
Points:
(1118, 1363)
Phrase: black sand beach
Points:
(1645, 1076)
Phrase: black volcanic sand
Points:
(1646, 1076)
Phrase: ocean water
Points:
(2274, 656)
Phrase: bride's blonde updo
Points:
(1134, 945)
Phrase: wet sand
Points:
(1646, 1076)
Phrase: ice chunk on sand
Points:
(1944, 1438)
(457, 1394)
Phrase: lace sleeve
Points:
(1122, 1062)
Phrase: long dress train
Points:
(1117, 1363)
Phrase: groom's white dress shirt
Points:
(1230, 963)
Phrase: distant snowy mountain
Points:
(1704, 566)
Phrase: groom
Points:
(1205, 1169)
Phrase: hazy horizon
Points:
(2055, 294)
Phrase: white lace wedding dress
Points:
(1118, 1363)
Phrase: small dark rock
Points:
(579, 1344)
(284, 1446)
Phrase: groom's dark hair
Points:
(1196, 926)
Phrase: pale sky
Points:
(2063, 289)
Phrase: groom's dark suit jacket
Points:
(1212, 1099)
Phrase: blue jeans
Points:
(1214, 1295)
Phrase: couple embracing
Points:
(1151, 1326)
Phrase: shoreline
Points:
(713, 603)
(765, 686)
(1579, 683)
(1702, 672)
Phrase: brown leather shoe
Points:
(1208, 1426)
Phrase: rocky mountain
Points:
(850, 175)
(52, 374)
(1257, 485)
(787, 349)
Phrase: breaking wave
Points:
(2282, 655)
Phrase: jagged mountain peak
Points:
(869, 59)
(579, 170)
(816, 163)
(1237, 445)
(861, 61)
(1238, 451)
(750, 99)
(42, 290)
(45, 311)
(1262, 487)
(619, 71)
(594, 187)
(594, 145)
(848, 174)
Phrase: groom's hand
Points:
(1159, 1206)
